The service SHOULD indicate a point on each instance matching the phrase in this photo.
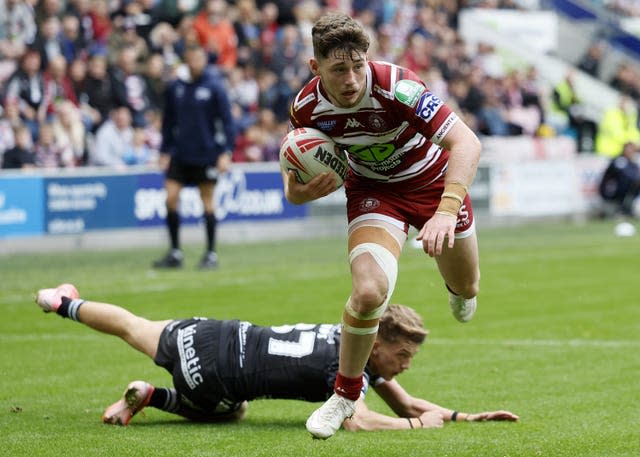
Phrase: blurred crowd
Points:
(82, 81)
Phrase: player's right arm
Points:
(298, 193)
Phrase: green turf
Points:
(555, 340)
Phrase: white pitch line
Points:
(537, 343)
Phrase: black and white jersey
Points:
(225, 362)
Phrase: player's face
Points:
(343, 77)
(390, 359)
(196, 60)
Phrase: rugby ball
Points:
(308, 152)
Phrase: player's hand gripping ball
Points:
(308, 152)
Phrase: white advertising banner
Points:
(536, 188)
(538, 30)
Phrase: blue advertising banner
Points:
(76, 204)
(240, 195)
(21, 206)
(88, 200)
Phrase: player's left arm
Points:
(464, 154)
(365, 419)
(405, 405)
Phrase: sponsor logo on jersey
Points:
(408, 92)
(189, 361)
(369, 204)
(326, 125)
(202, 93)
(353, 123)
(373, 152)
(300, 103)
(428, 106)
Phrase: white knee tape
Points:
(387, 263)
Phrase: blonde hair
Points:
(401, 322)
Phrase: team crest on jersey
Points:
(408, 92)
(428, 106)
(327, 125)
(203, 93)
(369, 204)
(376, 122)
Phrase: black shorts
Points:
(191, 175)
(188, 349)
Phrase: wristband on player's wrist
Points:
(452, 198)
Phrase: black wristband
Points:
(421, 423)
(454, 416)
(410, 423)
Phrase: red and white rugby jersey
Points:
(393, 134)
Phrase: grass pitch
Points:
(556, 340)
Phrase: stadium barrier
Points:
(518, 178)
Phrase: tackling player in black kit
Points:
(218, 366)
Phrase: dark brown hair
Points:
(340, 35)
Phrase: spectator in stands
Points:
(9, 119)
(173, 11)
(50, 151)
(17, 28)
(492, 116)
(519, 109)
(100, 24)
(244, 94)
(78, 76)
(47, 41)
(130, 87)
(620, 183)
(291, 66)
(217, 35)
(21, 156)
(198, 139)
(154, 76)
(137, 14)
(567, 107)
(57, 84)
(590, 62)
(72, 41)
(98, 89)
(619, 125)
(113, 138)
(246, 27)
(25, 89)
(46, 8)
(125, 37)
(69, 129)
(163, 40)
(187, 36)
(625, 80)
(269, 28)
(139, 152)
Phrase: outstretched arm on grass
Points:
(414, 413)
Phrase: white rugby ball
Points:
(309, 152)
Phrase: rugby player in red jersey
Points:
(219, 365)
(411, 161)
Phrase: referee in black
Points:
(197, 142)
